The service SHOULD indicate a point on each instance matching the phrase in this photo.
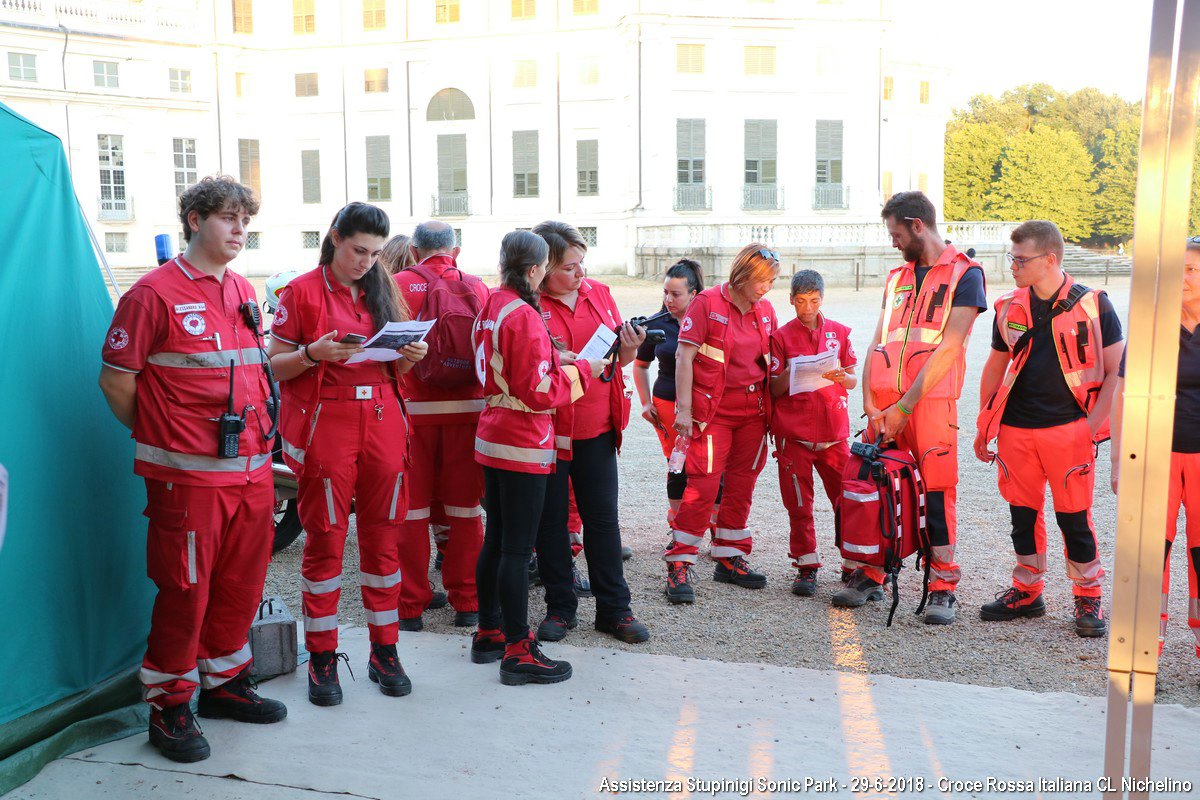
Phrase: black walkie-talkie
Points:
(231, 426)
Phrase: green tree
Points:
(1116, 175)
(1089, 112)
(972, 160)
(1046, 174)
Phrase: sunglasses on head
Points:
(771, 254)
(1193, 240)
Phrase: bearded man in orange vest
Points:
(912, 380)
(1045, 394)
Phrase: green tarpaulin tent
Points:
(74, 597)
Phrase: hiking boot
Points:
(554, 627)
(175, 733)
(1089, 617)
(236, 699)
(858, 591)
(437, 599)
(679, 582)
(626, 628)
(411, 624)
(1013, 603)
(805, 584)
(323, 686)
(941, 607)
(487, 646)
(466, 619)
(626, 553)
(385, 669)
(736, 571)
(524, 663)
(583, 587)
(535, 575)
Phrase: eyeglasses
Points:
(771, 254)
(1020, 262)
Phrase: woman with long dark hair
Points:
(526, 379)
(682, 283)
(345, 433)
(576, 307)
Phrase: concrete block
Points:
(273, 639)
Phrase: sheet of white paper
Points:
(597, 346)
(383, 345)
(805, 371)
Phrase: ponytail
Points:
(381, 296)
(690, 271)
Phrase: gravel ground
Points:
(772, 626)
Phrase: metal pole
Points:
(1160, 225)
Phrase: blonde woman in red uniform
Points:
(525, 380)
(722, 404)
(345, 433)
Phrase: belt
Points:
(816, 446)
(367, 392)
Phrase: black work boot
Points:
(323, 686)
(385, 669)
(942, 607)
(466, 619)
(555, 626)
(524, 663)
(626, 628)
(736, 571)
(1089, 617)
(174, 732)
(679, 582)
(487, 646)
(805, 584)
(236, 699)
(859, 590)
(1013, 603)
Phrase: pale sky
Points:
(993, 45)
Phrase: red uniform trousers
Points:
(1065, 457)
(357, 452)
(1184, 491)
(445, 483)
(207, 551)
(931, 437)
(796, 463)
(733, 444)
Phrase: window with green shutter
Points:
(761, 149)
(310, 176)
(587, 166)
(379, 168)
(525, 163)
(689, 150)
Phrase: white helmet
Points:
(275, 285)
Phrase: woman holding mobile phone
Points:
(345, 434)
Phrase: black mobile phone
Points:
(352, 338)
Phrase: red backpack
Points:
(450, 362)
(881, 513)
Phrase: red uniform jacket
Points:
(523, 384)
(819, 416)
(433, 405)
(178, 329)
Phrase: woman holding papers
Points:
(345, 434)
(583, 316)
(527, 382)
(722, 405)
(812, 366)
(682, 283)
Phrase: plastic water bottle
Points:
(679, 454)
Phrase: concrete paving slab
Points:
(749, 729)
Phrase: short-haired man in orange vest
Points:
(911, 382)
(1045, 394)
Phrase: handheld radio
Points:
(230, 426)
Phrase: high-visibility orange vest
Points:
(1078, 342)
(913, 326)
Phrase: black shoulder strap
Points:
(1076, 291)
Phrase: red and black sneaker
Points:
(805, 583)
(323, 686)
(1089, 617)
(1013, 603)
(487, 645)
(174, 731)
(736, 571)
(384, 668)
(626, 628)
(679, 582)
(236, 699)
(524, 663)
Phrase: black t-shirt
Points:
(1040, 398)
(664, 383)
(969, 293)
(1186, 437)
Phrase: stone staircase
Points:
(1080, 261)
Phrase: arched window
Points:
(450, 104)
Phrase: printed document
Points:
(597, 347)
(805, 372)
(384, 345)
